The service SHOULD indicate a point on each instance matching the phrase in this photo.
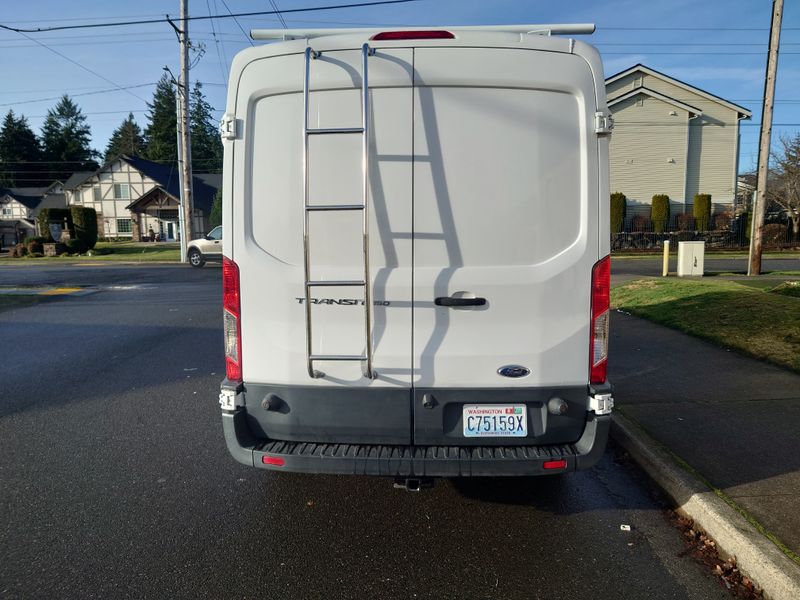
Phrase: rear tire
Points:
(195, 258)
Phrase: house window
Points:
(97, 194)
(122, 191)
(6, 212)
(124, 226)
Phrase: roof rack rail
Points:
(540, 29)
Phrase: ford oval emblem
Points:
(514, 371)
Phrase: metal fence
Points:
(722, 231)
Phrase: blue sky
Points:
(726, 58)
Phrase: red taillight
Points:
(386, 36)
(555, 464)
(276, 461)
(231, 317)
(598, 342)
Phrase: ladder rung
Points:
(342, 357)
(334, 130)
(316, 207)
(341, 283)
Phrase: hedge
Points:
(659, 212)
(75, 246)
(48, 215)
(701, 209)
(618, 211)
(84, 220)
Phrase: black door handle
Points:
(448, 301)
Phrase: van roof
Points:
(538, 29)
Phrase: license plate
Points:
(495, 420)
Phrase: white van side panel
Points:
(505, 208)
(268, 217)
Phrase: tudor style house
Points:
(133, 196)
(672, 138)
(19, 208)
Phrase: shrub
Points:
(35, 254)
(640, 223)
(19, 251)
(659, 212)
(75, 246)
(722, 221)
(46, 215)
(684, 222)
(34, 248)
(618, 210)
(774, 233)
(701, 209)
(745, 224)
(84, 221)
(35, 240)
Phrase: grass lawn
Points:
(759, 318)
(117, 251)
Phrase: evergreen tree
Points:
(65, 140)
(20, 153)
(161, 133)
(215, 218)
(126, 139)
(206, 144)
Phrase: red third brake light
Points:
(387, 36)
(598, 342)
(231, 317)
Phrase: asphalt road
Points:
(115, 481)
(652, 266)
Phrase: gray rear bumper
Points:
(413, 460)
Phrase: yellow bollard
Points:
(665, 268)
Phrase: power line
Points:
(239, 25)
(280, 16)
(704, 53)
(672, 44)
(85, 68)
(117, 89)
(222, 67)
(205, 17)
(602, 28)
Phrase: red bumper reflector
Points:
(387, 36)
(553, 464)
(273, 460)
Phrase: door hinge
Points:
(229, 399)
(601, 404)
(227, 127)
(603, 123)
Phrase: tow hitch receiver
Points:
(413, 484)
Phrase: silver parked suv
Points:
(208, 247)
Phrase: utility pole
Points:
(760, 204)
(182, 201)
(185, 146)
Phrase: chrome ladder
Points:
(363, 131)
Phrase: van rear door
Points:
(267, 244)
(505, 211)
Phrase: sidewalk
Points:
(734, 420)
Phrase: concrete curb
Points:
(756, 556)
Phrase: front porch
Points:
(156, 217)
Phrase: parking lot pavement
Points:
(115, 482)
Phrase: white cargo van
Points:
(415, 262)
